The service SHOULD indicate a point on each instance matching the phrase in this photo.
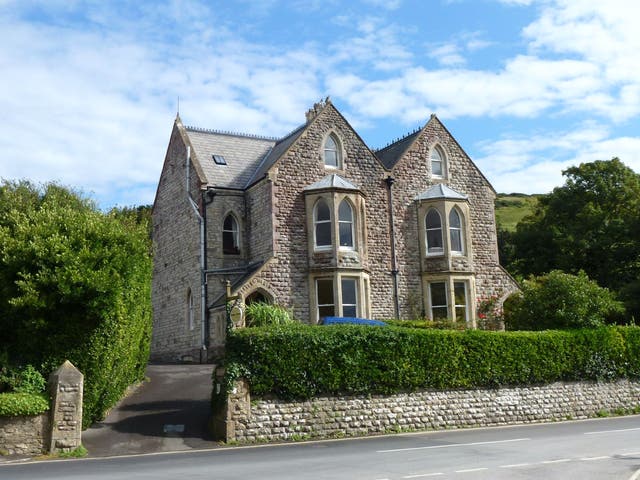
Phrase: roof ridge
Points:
(231, 134)
(398, 140)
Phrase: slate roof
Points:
(441, 191)
(242, 153)
(390, 154)
(331, 181)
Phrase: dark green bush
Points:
(15, 404)
(74, 284)
(428, 324)
(301, 361)
(559, 300)
(22, 380)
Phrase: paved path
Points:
(167, 413)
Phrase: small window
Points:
(433, 224)
(438, 298)
(322, 225)
(219, 160)
(437, 162)
(324, 295)
(190, 310)
(345, 224)
(455, 231)
(230, 236)
(332, 152)
(460, 298)
(349, 297)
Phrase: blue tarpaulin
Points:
(352, 321)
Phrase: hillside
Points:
(513, 207)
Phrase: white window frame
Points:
(351, 222)
(333, 296)
(190, 310)
(235, 233)
(456, 306)
(459, 230)
(446, 296)
(356, 284)
(337, 151)
(439, 252)
(316, 222)
(437, 156)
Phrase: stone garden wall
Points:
(247, 420)
(23, 435)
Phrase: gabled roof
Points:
(441, 191)
(331, 181)
(390, 154)
(242, 154)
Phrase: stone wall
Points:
(271, 420)
(23, 435)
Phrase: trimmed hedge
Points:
(301, 361)
(16, 404)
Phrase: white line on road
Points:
(559, 460)
(612, 431)
(588, 459)
(516, 465)
(470, 470)
(424, 475)
(454, 445)
(630, 454)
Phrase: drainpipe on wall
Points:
(394, 261)
(203, 261)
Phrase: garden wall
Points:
(23, 435)
(245, 420)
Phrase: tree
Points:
(74, 284)
(591, 223)
(558, 301)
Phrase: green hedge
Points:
(300, 361)
(15, 404)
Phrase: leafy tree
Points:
(74, 284)
(560, 300)
(591, 223)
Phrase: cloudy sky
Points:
(89, 89)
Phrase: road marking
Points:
(453, 445)
(559, 460)
(424, 475)
(469, 470)
(588, 459)
(612, 431)
(630, 454)
(516, 465)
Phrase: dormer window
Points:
(437, 163)
(219, 160)
(230, 236)
(332, 152)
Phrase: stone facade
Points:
(257, 420)
(23, 435)
(384, 271)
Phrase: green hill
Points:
(513, 207)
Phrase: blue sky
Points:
(89, 89)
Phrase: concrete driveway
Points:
(167, 413)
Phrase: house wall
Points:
(302, 166)
(176, 266)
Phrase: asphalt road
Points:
(592, 449)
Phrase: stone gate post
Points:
(66, 387)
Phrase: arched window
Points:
(455, 231)
(322, 225)
(433, 224)
(230, 236)
(332, 152)
(190, 316)
(437, 162)
(345, 224)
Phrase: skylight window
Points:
(219, 159)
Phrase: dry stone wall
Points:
(23, 435)
(271, 420)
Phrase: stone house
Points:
(320, 223)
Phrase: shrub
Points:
(560, 300)
(260, 314)
(301, 361)
(23, 380)
(428, 324)
(15, 404)
(74, 284)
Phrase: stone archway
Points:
(258, 295)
